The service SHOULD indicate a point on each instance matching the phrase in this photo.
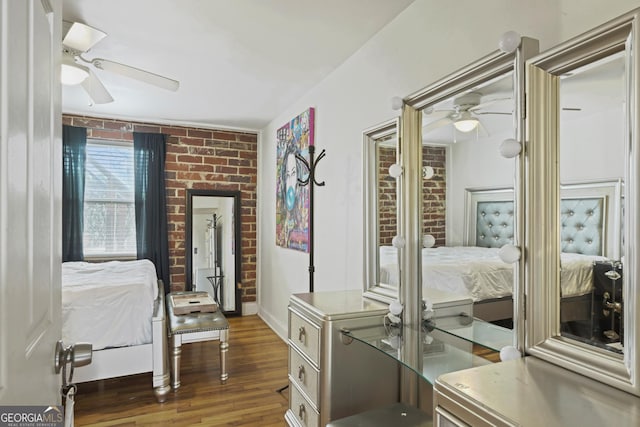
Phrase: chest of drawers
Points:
(326, 377)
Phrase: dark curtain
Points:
(74, 153)
(151, 209)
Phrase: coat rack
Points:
(311, 181)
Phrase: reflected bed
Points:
(589, 216)
(479, 273)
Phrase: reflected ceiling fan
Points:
(463, 115)
(78, 39)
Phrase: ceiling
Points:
(240, 63)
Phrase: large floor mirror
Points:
(212, 247)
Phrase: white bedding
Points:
(480, 274)
(108, 304)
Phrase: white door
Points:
(30, 200)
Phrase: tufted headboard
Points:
(582, 225)
(590, 218)
(494, 223)
(489, 217)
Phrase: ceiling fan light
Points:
(72, 73)
(466, 122)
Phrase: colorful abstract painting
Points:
(292, 199)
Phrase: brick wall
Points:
(199, 159)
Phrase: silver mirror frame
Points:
(372, 287)
(489, 67)
(542, 269)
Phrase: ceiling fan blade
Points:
(436, 114)
(487, 103)
(492, 112)
(96, 90)
(81, 37)
(436, 124)
(136, 73)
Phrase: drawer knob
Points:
(301, 373)
(301, 333)
(302, 412)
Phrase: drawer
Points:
(305, 375)
(303, 411)
(445, 419)
(305, 336)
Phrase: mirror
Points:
(469, 202)
(380, 151)
(583, 193)
(212, 247)
(467, 193)
(592, 101)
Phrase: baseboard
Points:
(249, 308)
(272, 322)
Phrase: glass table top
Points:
(433, 350)
(482, 333)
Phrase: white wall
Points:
(474, 164)
(579, 16)
(429, 40)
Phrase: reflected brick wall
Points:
(433, 190)
(386, 196)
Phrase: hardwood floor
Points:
(257, 366)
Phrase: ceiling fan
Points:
(78, 40)
(464, 113)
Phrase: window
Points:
(109, 212)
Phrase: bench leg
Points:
(176, 350)
(224, 348)
(162, 392)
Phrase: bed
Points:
(118, 307)
(590, 215)
(480, 274)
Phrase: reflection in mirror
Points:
(461, 222)
(212, 249)
(381, 210)
(468, 203)
(582, 181)
(592, 167)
